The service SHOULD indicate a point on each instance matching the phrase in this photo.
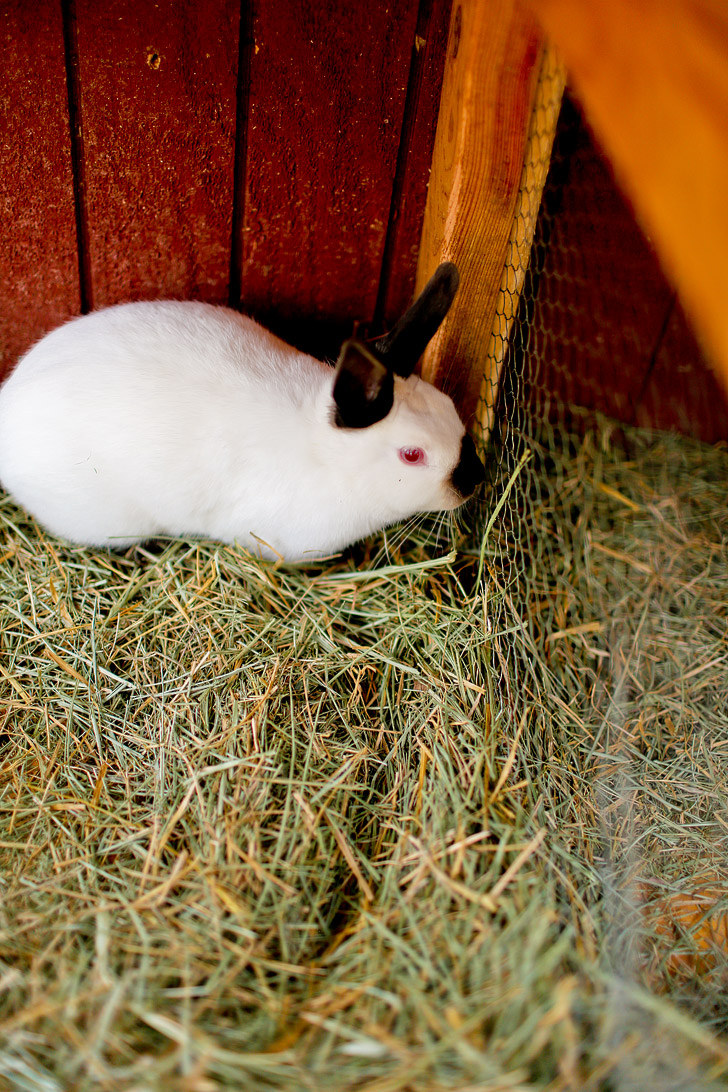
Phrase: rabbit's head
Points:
(406, 447)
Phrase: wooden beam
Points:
(652, 78)
(495, 54)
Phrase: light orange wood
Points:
(542, 130)
(494, 57)
(652, 77)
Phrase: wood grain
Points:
(328, 85)
(158, 111)
(653, 79)
(542, 131)
(494, 54)
(38, 262)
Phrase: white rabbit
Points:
(186, 419)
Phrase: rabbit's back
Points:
(158, 341)
(184, 419)
(134, 421)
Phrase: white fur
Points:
(185, 419)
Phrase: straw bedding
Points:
(448, 812)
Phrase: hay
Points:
(359, 826)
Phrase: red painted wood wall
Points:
(274, 155)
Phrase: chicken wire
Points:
(609, 544)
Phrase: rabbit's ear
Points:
(404, 345)
(363, 387)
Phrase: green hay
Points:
(360, 827)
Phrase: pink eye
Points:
(413, 456)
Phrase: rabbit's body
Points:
(185, 419)
(156, 419)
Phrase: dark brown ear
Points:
(404, 345)
(363, 387)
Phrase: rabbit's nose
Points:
(469, 472)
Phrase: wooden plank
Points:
(327, 95)
(414, 159)
(653, 79)
(38, 262)
(494, 57)
(158, 111)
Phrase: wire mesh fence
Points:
(611, 554)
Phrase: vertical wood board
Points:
(326, 103)
(38, 258)
(157, 85)
(417, 142)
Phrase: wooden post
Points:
(495, 56)
(542, 129)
